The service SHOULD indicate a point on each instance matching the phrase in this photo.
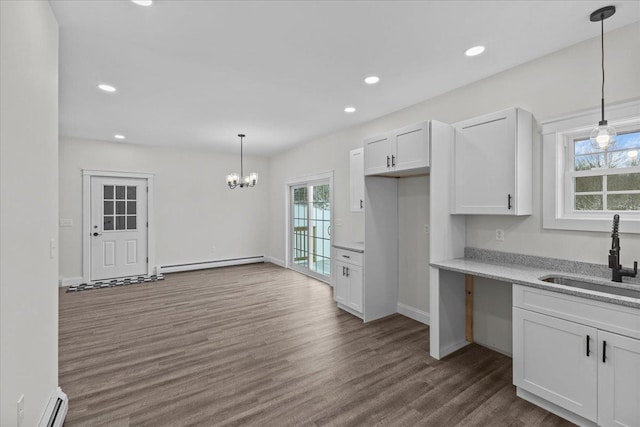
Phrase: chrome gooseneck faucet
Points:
(614, 256)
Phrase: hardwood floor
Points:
(261, 345)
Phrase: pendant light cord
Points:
(241, 162)
(602, 48)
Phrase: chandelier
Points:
(234, 180)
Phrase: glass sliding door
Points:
(311, 229)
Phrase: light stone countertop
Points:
(350, 246)
(530, 276)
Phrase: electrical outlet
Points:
(499, 234)
(426, 229)
(21, 410)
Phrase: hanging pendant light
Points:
(234, 180)
(603, 136)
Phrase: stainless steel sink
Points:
(607, 289)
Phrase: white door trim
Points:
(87, 174)
(292, 182)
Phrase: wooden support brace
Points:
(468, 289)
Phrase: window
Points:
(584, 187)
(604, 180)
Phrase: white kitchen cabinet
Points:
(493, 164)
(618, 380)
(401, 152)
(571, 357)
(550, 360)
(356, 180)
(349, 280)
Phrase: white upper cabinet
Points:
(492, 164)
(401, 152)
(356, 179)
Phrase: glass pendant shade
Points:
(603, 136)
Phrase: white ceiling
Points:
(196, 73)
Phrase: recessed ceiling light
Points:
(371, 80)
(107, 88)
(350, 110)
(118, 136)
(473, 51)
(143, 2)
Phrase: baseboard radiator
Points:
(56, 410)
(209, 264)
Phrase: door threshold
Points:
(112, 283)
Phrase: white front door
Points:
(118, 227)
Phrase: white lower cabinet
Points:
(349, 281)
(576, 367)
(619, 381)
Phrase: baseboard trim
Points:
(413, 313)
(208, 264)
(452, 348)
(275, 261)
(64, 282)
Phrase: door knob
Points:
(97, 234)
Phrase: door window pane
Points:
(131, 192)
(108, 207)
(120, 192)
(131, 208)
(120, 222)
(120, 207)
(131, 222)
(108, 191)
(108, 223)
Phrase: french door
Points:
(310, 229)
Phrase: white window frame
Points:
(557, 161)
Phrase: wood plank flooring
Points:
(261, 345)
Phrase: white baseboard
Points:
(70, 281)
(413, 313)
(451, 348)
(162, 269)
(275, 261)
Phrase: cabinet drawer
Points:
(349, 257)
(602, 315)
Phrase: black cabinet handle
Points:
(347, 271)
(604, 352)
(388, 161)
(393, 160)
(509, 201)
(588, 351)
(360, 203)
(343, 270)
(346, 256)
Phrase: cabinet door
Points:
(412, 147)
(377, 154)
(356, 287)
(356, 179)
(550, 360)
(485, 164)
(341, 283)
(618, 380)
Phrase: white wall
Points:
(413, 252)
(194, 209)
(559, 83)
(29, 208)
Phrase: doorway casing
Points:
(87, 175)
